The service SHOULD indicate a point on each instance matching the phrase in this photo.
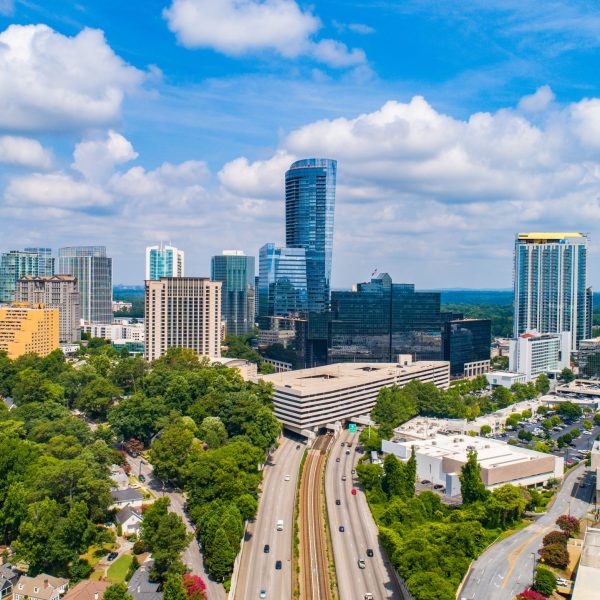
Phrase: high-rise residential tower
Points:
(26, 328)
(183, 312)
(93, 270)
(550, 285)
(309, 210)
(282, 285)
(236, 272)
(164, 261)
(16, 263)
(55, 291)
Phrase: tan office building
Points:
(26, 328)
(55, 291)
(183, 312)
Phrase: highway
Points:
(360, 529)
(506, 568)
(257, 568)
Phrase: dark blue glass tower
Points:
(309, 208)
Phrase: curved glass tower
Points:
(309, 208)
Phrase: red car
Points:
(353, 492)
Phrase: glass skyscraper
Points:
(236, 271)
(282, 284)
(466, 341)
(550, 278)
(36, 262)
(93, 270)
(164, 261)
(309, 210)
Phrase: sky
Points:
(454, 124)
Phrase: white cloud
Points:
(49, 81)
(24, 152)
(238, 27)
(537, 102)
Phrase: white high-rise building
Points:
(183, 312)
(164, 261)
(533, 353)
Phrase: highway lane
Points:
(360, 529)
(257, 569)
(506, 568)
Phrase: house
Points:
(42, 587)
(88, 590)
(8, 579)
(119, 477)
(140, 586)
(129, 519)
(127, 497)
(8, 402)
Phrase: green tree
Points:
(32, 386)
(545, 581)
(587, 424)
(97, 397)
(525, 435)
(542, 447)
(502, 397)
(568, 410)
(393, 475)
(505, 505)
(485, 430)
(220, 555)
(471, 485)
(410, 475)
(137, 417)
(575, 433)
(173, 589)
(117, 591)
(542, 383)
(597, 418)
(542, 410)
(547, 424)
(567, 375)
(169, 452)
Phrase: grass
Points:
(118, 570)
(524, 523)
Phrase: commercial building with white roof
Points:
(587, 581)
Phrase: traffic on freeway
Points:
(360, 562)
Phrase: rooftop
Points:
(544, 235)
(128, 494)
(87, 590)
(588, 573)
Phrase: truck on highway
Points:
(280, 525)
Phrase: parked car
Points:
(142, 478)
(112, 555)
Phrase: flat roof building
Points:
(309, 399)
(504, 378)
(534, 353)
(587, 581)
(26, 328)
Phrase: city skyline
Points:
(185, 134)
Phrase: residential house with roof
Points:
(129, 519)
(89, 589)
(127, 497)
(42, 587)
(9, 575)
(140, 586)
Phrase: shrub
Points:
(530, 595)
(568, 524)
(555, 537)
(555, 555)
(545, 581)
(139, 547)
(194, 587)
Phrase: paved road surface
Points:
(192, 556)
(257, 570)
(506, 568)
(360, 529)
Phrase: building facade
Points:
(587, 358)
(164, 261)
(235, 271)
(534, 353)
(467, 342)
(183, 312)
(26, 328)
(93, 270)
(55, 291)
(282, 287)
(309, 212)
(550, 285)
(36, 262)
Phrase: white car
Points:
(361, 563)
(286, 478)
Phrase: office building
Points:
(282, 287)
(183, 312)
(504, 379)
(587, 579)
(235, 271)
(441, 457)
(309, 399)
(466, 345)
(93, 270)
(55, 291)
(534, 353)
(309, 210)
(37, 262)
(26, 328)
(117, 333)
(381, 319)
(164, 261)
(550, 285)
(587, 358)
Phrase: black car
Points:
(338, 502)
(342, 529)
(278, 565)
(267, 549)
(370, 552)
(337, 459)
(112, 556)
(347, 451)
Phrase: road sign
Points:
(352, 428)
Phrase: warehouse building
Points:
(309, 399)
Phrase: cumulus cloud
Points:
(537, 102)
(237, 27)
(96, 159)
(49, 81)
(24, 152)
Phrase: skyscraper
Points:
(16, 263)
(282, 282)
(93, 270)
(467, 345)
(550, 277)
(183, 312)
(309, 210)
(236, 271)
(26, 328)
(164, 261)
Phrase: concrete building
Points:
(587, 581)
(116, 332)
(37, 262)
(582, 388)
(164, 261)
(28, 328)
(268, 337)
(595, 467)
(248, 370)
(534, 353)
(55, 291)
(504, 378)
(308, 399)
(183, 312)
(440, 459)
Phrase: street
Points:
(257, 569)
(506, 568)
(192, 556)
(360, 530)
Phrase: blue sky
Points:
(455, 125)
